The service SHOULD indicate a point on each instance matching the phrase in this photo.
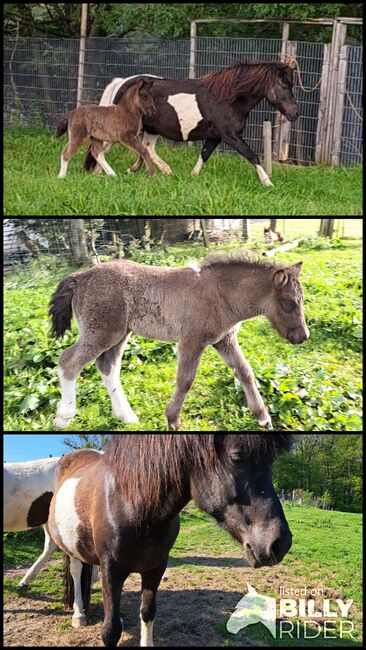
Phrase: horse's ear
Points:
(295, 269)
(280, 279)
(140, 83)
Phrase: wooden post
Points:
(267, 137)
(339, 105)
(322, 105)
(192, 57)
(204, 230)
(246, 229)
(84, 20)
(276, 139)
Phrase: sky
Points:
(28, 446)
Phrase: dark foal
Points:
(196, 306)
(118, 123)
(121, 510)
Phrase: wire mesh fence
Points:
(40, 81)
(25, 239)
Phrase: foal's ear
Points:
(280, 278)
(295, 269)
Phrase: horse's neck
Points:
(245, 104)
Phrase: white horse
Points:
(28, 490)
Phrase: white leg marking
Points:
(150, 142)
(66, 408)
(104, 165)
(95, 575)
(198, 166)
(188, 113)
(120, 405)
(147, 632)
(263, 176)
(63, 168)
(49, 548)
(79, 618)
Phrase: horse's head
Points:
(240, 494)
(279, 91)
(145, 98)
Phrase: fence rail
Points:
(41, 81)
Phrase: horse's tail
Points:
(89, 160)
(62, 126)
(60, 309)
(86, 582)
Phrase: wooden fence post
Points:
(267, 137)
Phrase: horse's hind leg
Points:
(79, 617)
(149, 141)
(98, 153)
(68, 151)
(72, 361)
(109, 366)
(49, 548)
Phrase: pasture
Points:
(312, 387)
(205, 580)
(227, 185)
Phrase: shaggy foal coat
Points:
(196, 306)
(118, 123)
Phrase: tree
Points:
(87, 441)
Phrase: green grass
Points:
(326, 556)
(228, 185)
(313, 387)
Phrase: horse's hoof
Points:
(79, 622)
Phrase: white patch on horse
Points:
(66, 517)
(188, 113)
(198, 166)
(110, 486)
(195, 267)
(263, 176)
(66, 408)
(147, 631)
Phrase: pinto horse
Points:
(213, 108)
(121, 510)
(28, 490)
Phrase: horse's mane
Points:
(149, 465)
(242, 259)
(244, 78)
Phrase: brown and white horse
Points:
(121, 510)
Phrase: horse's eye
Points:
(288, 305)
(236, 458)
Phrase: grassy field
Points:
(205, 581)
(313, 387)
(228, 185)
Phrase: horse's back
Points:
(74, 461)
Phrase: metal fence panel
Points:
(40, 81)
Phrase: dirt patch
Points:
(193, 608)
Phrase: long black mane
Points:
(147, 465)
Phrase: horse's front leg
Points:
(189, 356)
(237, 143)
(150, 585)
(112, 583)
(229, 349)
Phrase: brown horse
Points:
(121, 510)
(197, 306)
(118, 123)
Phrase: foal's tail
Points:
(86, 583)
(60, 309)
(89, 161)
(62, 126)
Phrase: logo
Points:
(256, 608)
